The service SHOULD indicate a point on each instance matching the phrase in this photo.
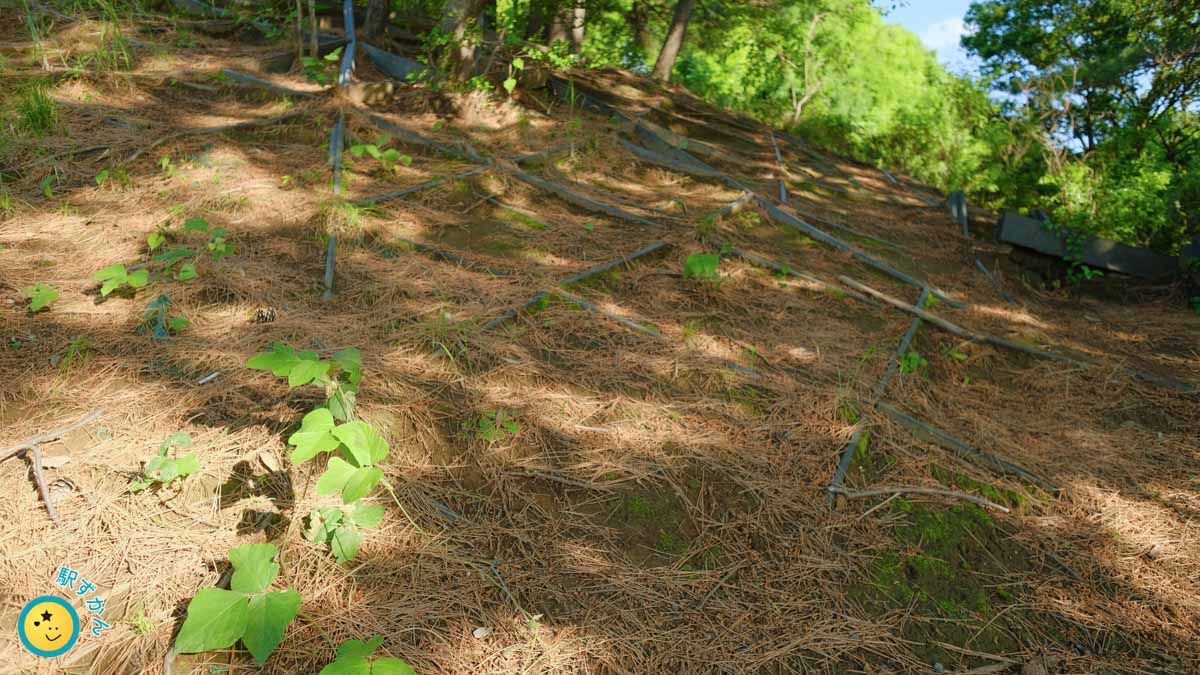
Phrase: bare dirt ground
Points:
(663, 506)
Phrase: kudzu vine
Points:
(356, 448)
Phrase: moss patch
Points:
(946, 565)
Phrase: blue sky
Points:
(939, 24)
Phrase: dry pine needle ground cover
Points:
(662, 507)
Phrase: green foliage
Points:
(497, 424)
(46, 186)
(340, 527)
(1194, 301)
(356, 447)
(702, 266)
(218, 618)
(354, 658)
(40, 296)
(77, 352)
(158, 323)
(37, 113)
(163, 469)
(115, 276)
(321, 70)
(116, 176)
(912, 362)
(387, 157)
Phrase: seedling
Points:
(46, 186)
(388, 157)
(76, 353)
(496, 424)
(339, 527)
(116, 276)
(163, 469)
(352, 471)
(155, 239)
(702, 266)
(114, 176)
(1078, 273)
(956, 355)
(218, 618)
(912, 362)
(40, 296)
(517, 65)
(320, 70)
(354, 658)
(158, 323)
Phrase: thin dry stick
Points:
(855, 494)
(40, 478)
(971, 652)
(53, 435)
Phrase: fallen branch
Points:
(628, 323)
(995, 282)
(787, 269)
(252, 81)
(820, 235)
(783, 192)
(461, 150)
(261, 121)
(53, 435)
(905, 341)
(856, 494)
(846, 228)
(538, 297)
(916, 311)
(571, 197)
(389, 196)
(604, 267)
(43, 489)
(987, 459)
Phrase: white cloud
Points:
(944, 35)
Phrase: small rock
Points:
(938, 667)
(481, 632)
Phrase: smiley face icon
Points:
(48, 626)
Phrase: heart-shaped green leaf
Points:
(367, 515)
(305, 371)
(337, 472)
(254, 567)
(268, 617)
(216, 618)
(345, 543)
(280, 360)
(365, 444)
(360, 484)
(313, 437)
(391, 666)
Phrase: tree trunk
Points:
(577, 24)
(558, 25)
(455, 21)
(674, 41)
(376, 22)
(312, 14)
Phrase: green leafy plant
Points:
(46, 185)
(354, 658)
(115, 276)
(218, 618)
(356, 448)
(158, 323)
(76, 353)
(514, 67)
(113, 176)
(1195, 303)
(1079, 273)
(40, 296)
(37, 113)
(386, 156)
(340, 527)
(912, 362)
(319, 70)
(163, 469)
(496, 424)
(702, 266)
(167, 166)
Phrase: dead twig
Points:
(53, 435)
(855, 494)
